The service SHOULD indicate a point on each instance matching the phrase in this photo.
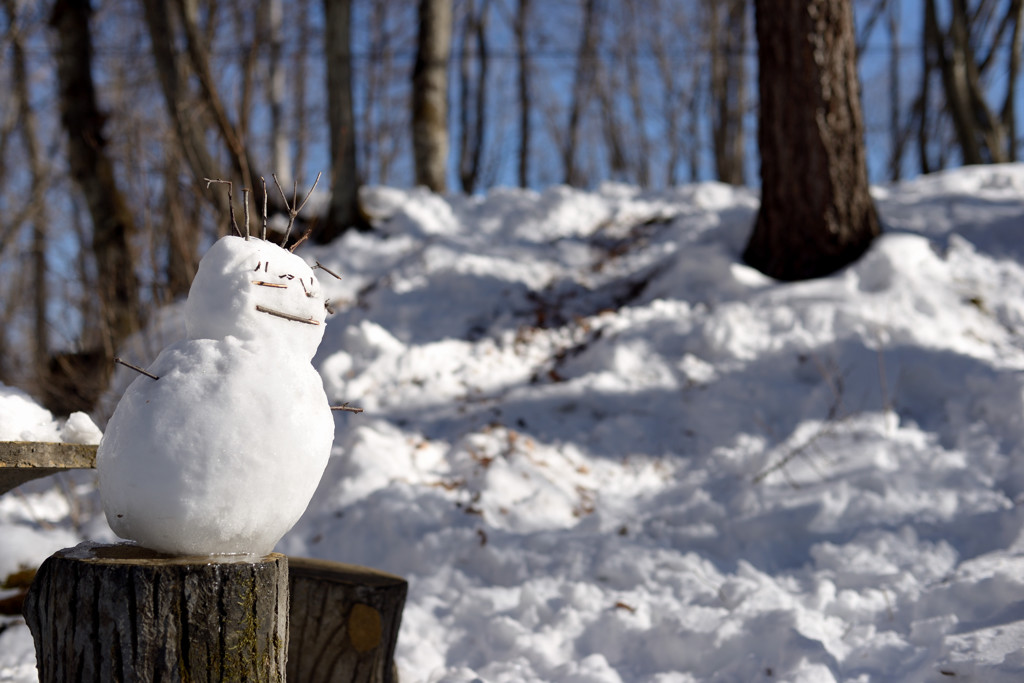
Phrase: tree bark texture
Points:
(344, 622)
(124, 613)
(343, 210)
(93, 172)
(728, 35)
(816, 213)
(430, 94)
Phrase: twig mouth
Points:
(287, 316)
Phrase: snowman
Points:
(221, 453)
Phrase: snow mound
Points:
(603, 449)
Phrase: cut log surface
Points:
(344, 622)
(22, 461)
(125, 613)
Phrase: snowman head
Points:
(256, 291)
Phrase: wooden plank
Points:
(22, 461)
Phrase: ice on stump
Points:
(223, 452)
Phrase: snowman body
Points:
(223, 452)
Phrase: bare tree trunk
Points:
(617, 161)
(897, 133)
(582, 88)
(173, 72)
(37, 170)
(816, 212)
(246, 70)
(300, 136)
(472, 118)
(636, 96)
(430, 94)
(728, 36)
(343, 210)
(525, 129)
(1009, 110)
(982, 136)
(232, 135)
(93, 172)
(693, 134)
(671, 104)
(273, 16)
(921, 107)
(179, 230)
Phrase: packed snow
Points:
(602, 449)
(219, 446)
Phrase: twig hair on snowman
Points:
(219, 446)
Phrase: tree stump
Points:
(344, 622)
(125, 613)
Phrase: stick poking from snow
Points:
(136, 368)
(347, 408)
(287, 316)
(293, 210)
(327, 270)
(231, 204)
(263, 236)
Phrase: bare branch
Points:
(347, 408)
(327, 270)
(263, 180)
(305, 236)
(293, 210)
(231, 203)
(245, 204)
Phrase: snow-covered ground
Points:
(602, 449)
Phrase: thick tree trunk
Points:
(344, 622)
(343, 210)
(124, 613)
(93, 172)
(816, 212)
(430, 94)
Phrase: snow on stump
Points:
(122, 612)
(344, 622)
